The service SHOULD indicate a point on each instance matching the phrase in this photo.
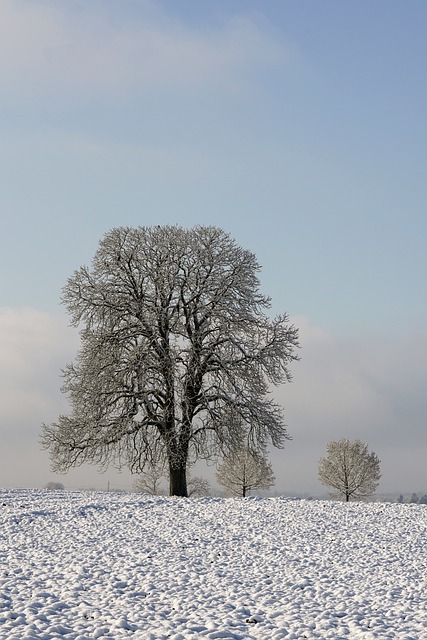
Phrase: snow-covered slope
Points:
(86, 566)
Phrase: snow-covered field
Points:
(89, 565)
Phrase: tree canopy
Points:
(175, 338)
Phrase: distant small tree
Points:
(401, 499)
(55, 486)
(423, 499)
(414, 499)
(349, 469)
(245, 470)
(197, 486)
(150, 480)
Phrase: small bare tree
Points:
(349, 469)
(197, 486)
(150, 480)
(55, 486)
(245, 470)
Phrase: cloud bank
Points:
(370, 389)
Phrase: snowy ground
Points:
(104, 565)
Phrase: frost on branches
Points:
(174, 337)
(349, 469)
(244, 470)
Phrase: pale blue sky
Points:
(298, 127)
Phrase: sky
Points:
(297, 127)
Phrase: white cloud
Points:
(56, 48)
(341, 384)
(33, 347)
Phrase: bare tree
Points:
(54, 486)
(349, 469)
(197, 486)
(244, 470)
(150, 480)
(174, 334)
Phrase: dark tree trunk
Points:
(244, 479)
(178, 481)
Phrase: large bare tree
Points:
(244, 470)
(174, 337)
(349, 469)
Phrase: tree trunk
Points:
(178, 481)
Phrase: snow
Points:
(92, 566)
